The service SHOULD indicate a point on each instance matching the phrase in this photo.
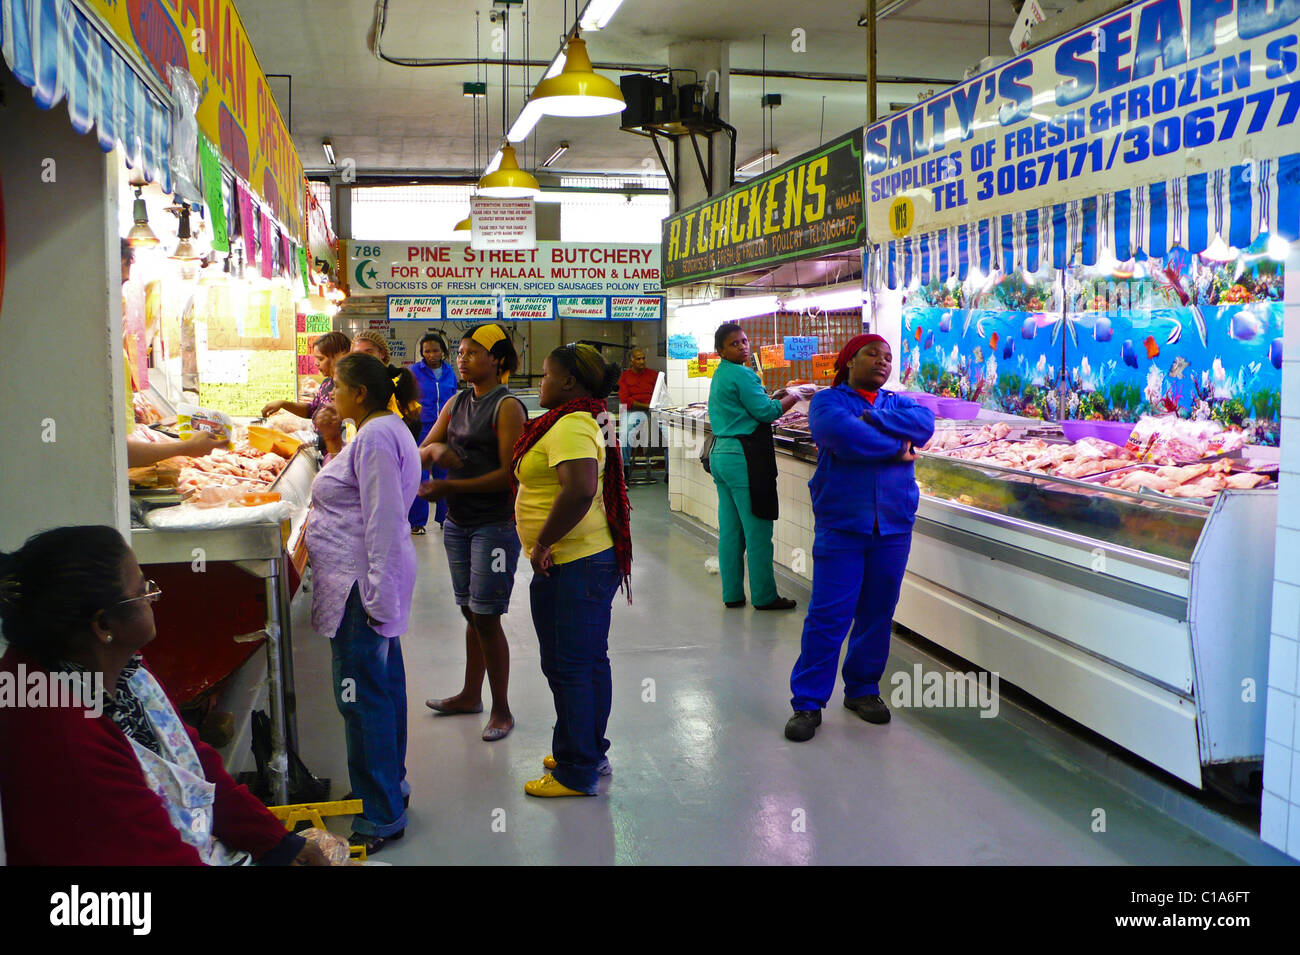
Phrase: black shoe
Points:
(780, 603)
(406, 800)
(803, 725)
(870, 708)
(374, 843)
(733, 604)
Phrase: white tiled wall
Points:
(1280, 809)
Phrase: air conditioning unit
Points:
(650, 101)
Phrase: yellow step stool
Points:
(314, 812)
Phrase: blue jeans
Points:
(373, 705)
(571, 610)
(635, 433)
(856, 582)
(419, 515)
(482, 560)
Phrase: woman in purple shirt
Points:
(363, 565)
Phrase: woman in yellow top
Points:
(573, 524)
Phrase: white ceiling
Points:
(394, 118)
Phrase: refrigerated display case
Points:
(248, 571)
(1144, 618)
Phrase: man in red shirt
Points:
(636, 387)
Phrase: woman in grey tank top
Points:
(473, 439)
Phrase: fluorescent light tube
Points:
(524, 123)
(826, 300)
(748, 306)
(560, 150)
(759, 159)
(597, 14)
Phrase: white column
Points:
(709, 59)
(62, 389)
(1279, 824)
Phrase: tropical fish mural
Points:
(1182, 345)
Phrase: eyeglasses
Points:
(152, 593)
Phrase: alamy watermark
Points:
(78, 908)
(38, 689)
(945, 690)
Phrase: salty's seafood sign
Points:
(1128, 97)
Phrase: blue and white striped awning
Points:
(1238, 203)
(58, 53)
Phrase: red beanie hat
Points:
(851, 348)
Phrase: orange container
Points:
(286, 445)
(262, 438)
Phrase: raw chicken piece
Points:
(1181, 475)
(1245, 481)
(1136, 480)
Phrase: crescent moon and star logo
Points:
(365, 269)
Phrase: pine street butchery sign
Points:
(467, 283)
(1157, 90)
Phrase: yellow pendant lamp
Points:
(578, 90)
(463, 225)
(508, 181)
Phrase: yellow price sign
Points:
(902, 216)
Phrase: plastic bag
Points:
(187, 517)
(184, 152)
(333, 847)
(191, 418)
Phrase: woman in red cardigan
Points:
(96, 767)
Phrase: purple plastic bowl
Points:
(924, 399)
(1116, 432)
(958, 409)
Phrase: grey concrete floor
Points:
(702, 773)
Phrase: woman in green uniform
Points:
(744, 461)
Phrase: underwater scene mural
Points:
(1187, 336)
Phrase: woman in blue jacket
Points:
(438, 385)
(864, 498)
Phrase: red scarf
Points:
(617, 509)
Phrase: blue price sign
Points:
(683, 346)
(800, 347)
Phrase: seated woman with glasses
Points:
(97, 767)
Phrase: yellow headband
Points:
(489, 335)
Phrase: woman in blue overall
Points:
(438, 384)
(864, 499)
(743, 465)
